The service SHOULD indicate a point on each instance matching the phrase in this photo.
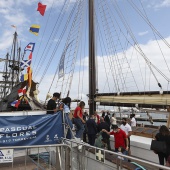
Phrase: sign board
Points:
(31, 130)
(100, 155)
(6, 155)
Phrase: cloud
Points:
(21, 19)
(25, 2)
(164, 3)
(143, 33)
(6, 40)
(157, 4)
(54, 3)
(143, 78)
(12, 14)
(6, 3)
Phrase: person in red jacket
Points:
(121, 139)
(78, 119)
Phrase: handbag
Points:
(158, 146)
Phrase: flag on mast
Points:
(15, 103)
(35, 29)
(41, 8)
(13, 26)
(29, 71)
(30, 47)
(25, 63)
(30, 56)
(24, 77)
(21, 92)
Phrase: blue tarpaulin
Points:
(31, 130)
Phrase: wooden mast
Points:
(168, 118)
(92, 66)
(5, 76)
(13, 59)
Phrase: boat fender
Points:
(139, 166)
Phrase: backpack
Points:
(98, 142)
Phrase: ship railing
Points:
(38, 157)
(85, 156)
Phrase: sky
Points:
(23, 14)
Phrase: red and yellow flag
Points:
(29, 71)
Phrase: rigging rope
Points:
(119, 61)
(43, 36)
(155, 36)
(59, 41)
(52, 35)
(107, 79)
(164, 40)
(77, 42)
(138, 46)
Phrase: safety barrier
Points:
(84, 157)
(39, 157)
(71, 155)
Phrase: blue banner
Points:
(31, 130)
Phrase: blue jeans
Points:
(79, 127)
(69, 122)
(124, 153)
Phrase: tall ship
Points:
(11, 82)
(88, 52)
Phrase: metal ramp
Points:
(72, 155)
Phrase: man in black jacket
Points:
(51, 105)
(104, 125)
(107, 118)
(91, 129)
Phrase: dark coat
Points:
(107, 120)
(91, 126)
(104, 125)
(165, 138)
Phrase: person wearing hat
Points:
(120, 136)
(51, 105)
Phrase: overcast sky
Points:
(23, 14)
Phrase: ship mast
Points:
(6, 76)
(13, 60)
(11, 75)
(92, 65)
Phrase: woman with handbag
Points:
(163, 135)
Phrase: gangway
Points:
(71, 155)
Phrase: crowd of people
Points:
(96, 130)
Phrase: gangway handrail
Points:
(34, 146)
(117, 154)
(38, 164)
